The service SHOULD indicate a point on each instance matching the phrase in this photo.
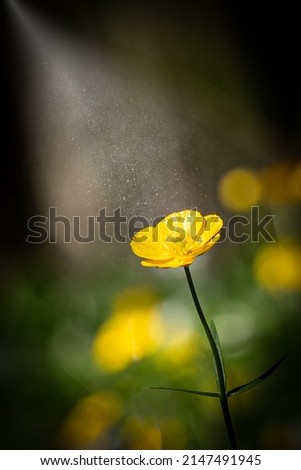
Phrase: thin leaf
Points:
(219, 350)
(255, 382)
(195, 392)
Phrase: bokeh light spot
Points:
(181, 349)
(275, 183)
(279, 266)
(239, 189)
(142, 434)
(134, 331)
(237, 327)
(90, 418)
(281, 184)
(295, 183)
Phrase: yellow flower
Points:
(177, 240)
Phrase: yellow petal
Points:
(201, 249)
(175, 262)
(213, 224)
(149, 243)
(182, 225)
(181, 229)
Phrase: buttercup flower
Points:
(177, 240)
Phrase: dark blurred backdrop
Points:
(49, 297)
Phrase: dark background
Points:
(267, 38)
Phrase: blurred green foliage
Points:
(50, 319)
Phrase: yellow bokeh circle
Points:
(278, 267)
(239, 189)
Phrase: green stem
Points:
(228, 422)
(217, 361)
